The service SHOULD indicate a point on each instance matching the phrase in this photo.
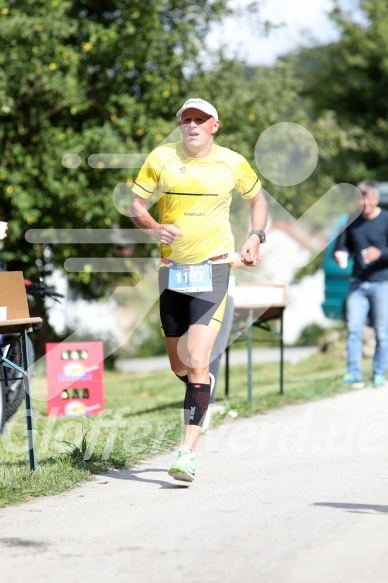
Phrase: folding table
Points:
(257, 305)
(18, 322)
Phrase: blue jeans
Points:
(364, 296)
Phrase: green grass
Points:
(142, 417)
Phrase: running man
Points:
(193, 181)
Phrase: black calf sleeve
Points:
(196, 403)
(184, 379)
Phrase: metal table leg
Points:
(281, 345)
(249, 347)
(26, 384)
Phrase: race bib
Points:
(190, 278)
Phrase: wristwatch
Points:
(260, 234)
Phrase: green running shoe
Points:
(184, 466)
(379, 380)
(349, 379)
(208, 415)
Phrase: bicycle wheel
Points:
(14, 394)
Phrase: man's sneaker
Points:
(184, 466)
(208, 415)
(349, 379)
(379, 380)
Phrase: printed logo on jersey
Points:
(195, 214)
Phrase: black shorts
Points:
(179, 310)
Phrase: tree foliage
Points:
(350, 78)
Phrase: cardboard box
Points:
(13, 295)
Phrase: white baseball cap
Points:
(201, 104)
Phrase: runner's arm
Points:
(143, 220)
(259, 216)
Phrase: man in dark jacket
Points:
(366, 240)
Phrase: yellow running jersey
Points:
(194, 194)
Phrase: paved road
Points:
(298, 495)
(291, 354)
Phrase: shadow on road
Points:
(132, 475)
(356, 508)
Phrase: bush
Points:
(311, 335)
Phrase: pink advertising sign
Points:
(75, 378)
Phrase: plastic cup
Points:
(3, 229)
(342, 257)
(363, 253)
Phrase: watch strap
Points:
(260, 233)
